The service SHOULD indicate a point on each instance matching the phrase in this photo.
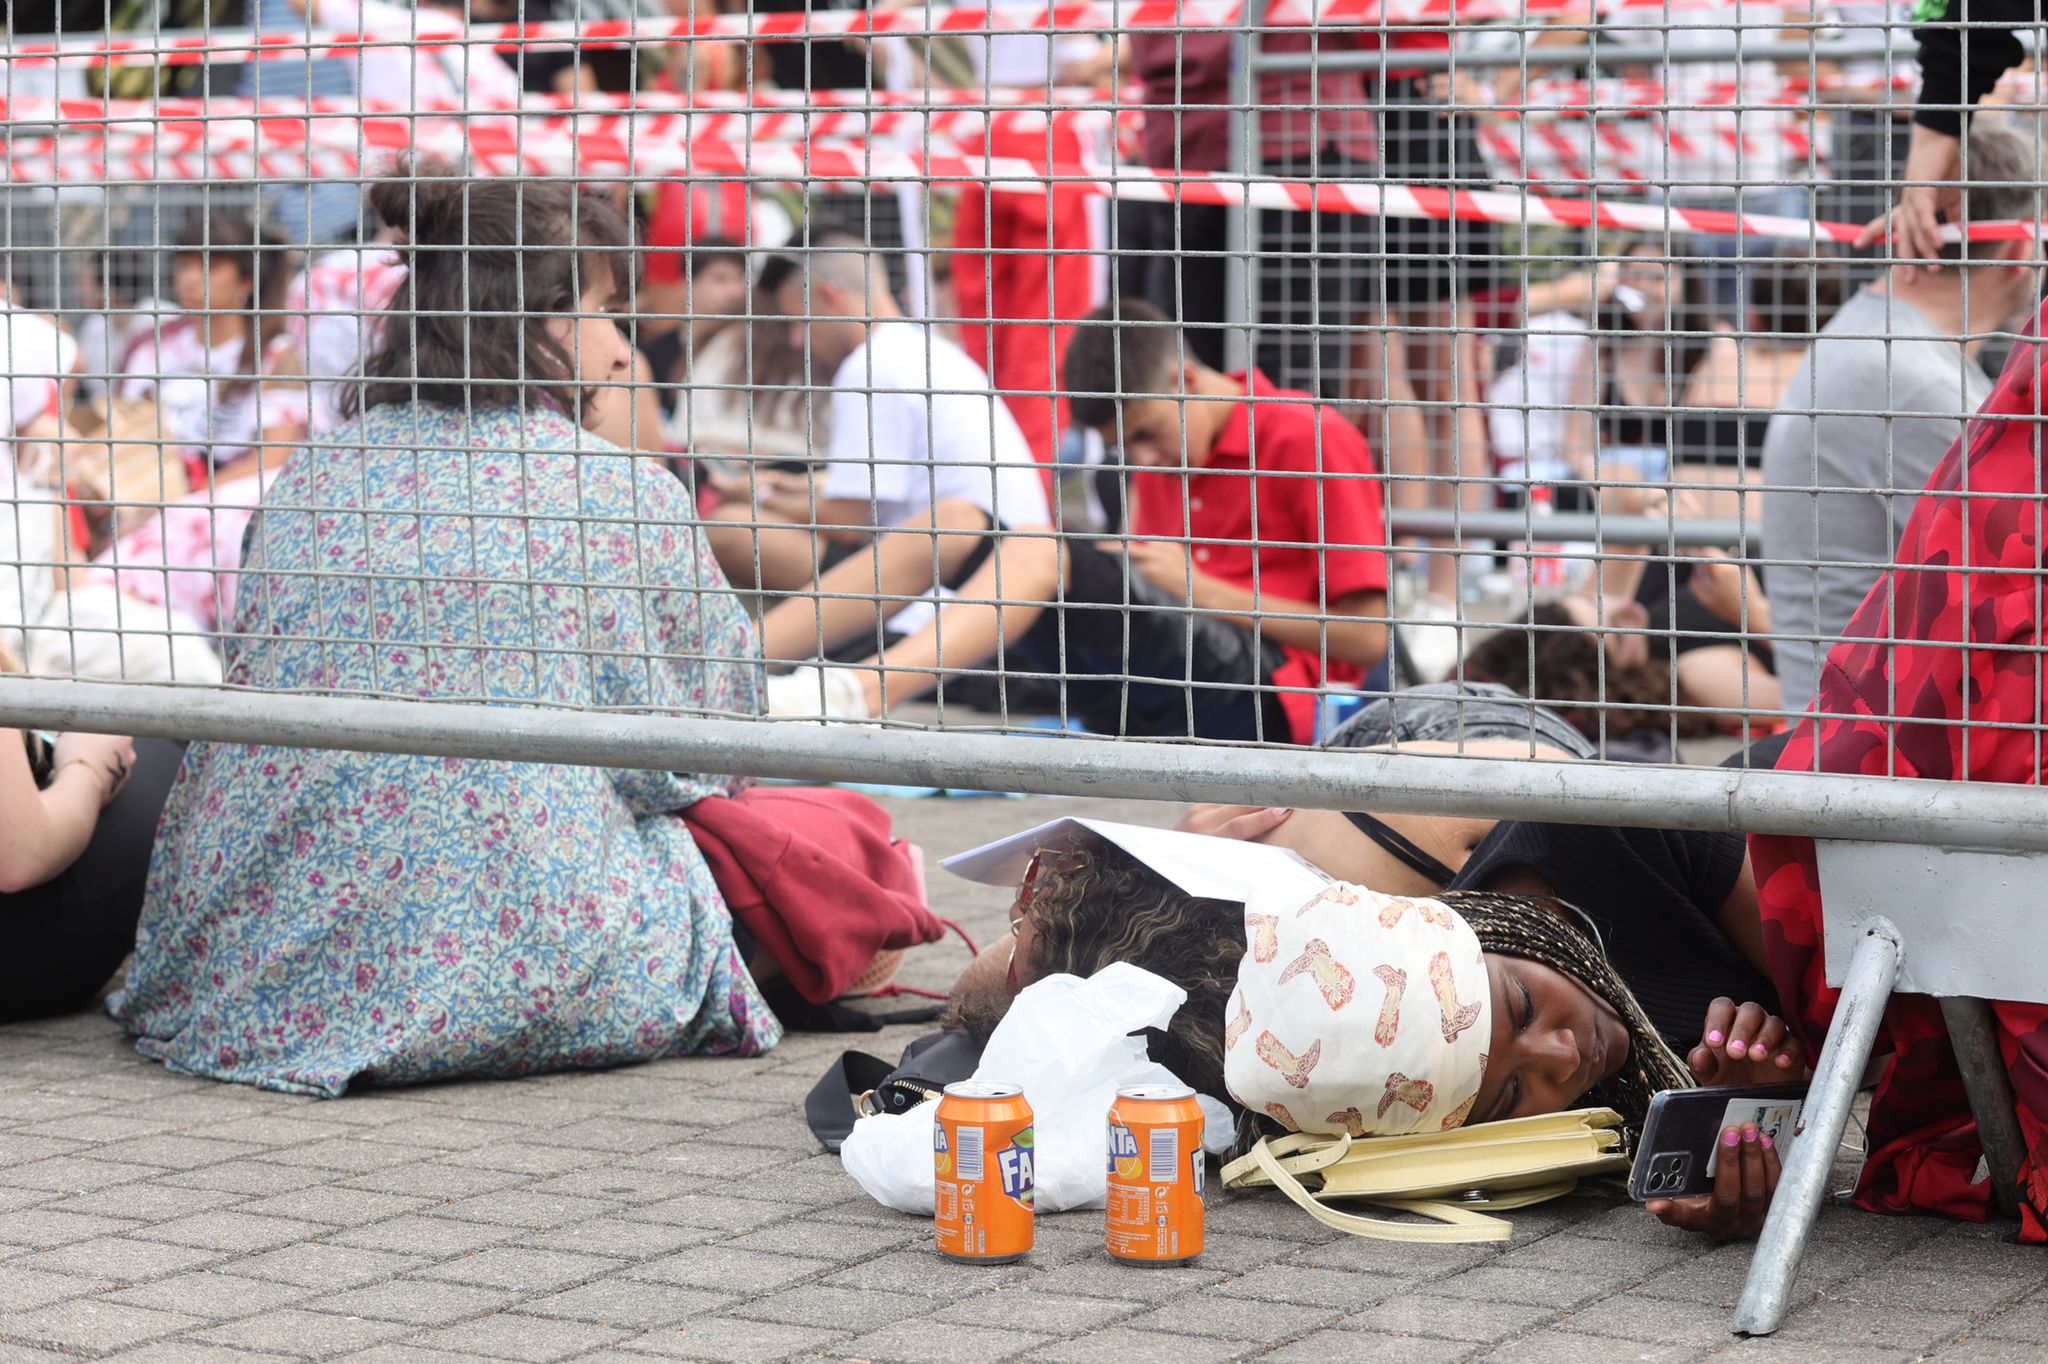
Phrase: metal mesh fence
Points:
(1215, 372)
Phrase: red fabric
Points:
(1005, 299)
(1185, 74)
(1303, 539)
(1947, 704)
(815, 876)
(686, 212)
(1405, 40)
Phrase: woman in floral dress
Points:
(319, 918)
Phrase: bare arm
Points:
(1348, 632)
(47, 829)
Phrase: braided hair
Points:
(1542, 928)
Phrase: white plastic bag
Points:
(1067, 1041)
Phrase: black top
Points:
(1621, 424)
(1723, 440)
(1653, 894)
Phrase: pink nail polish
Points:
(1731, 1138)
(1767, 1141)
(1735, 1049)
(1715, 1037)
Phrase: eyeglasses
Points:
(1020, 910)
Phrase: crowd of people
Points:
(465, 460)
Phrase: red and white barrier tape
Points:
(673, 120)
(315, 147)
(246, 44)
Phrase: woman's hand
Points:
(1744, 1180)
(109, 757)
(1746, 1044)
(1245, 823)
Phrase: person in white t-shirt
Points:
(922, 461)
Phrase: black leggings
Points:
(66, 936)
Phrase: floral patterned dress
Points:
(316, 918)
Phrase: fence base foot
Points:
(1803, 1184)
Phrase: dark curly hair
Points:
(489, 263)
(1098, 904)
(1548, 658)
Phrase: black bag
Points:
(859, 1085)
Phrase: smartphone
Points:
(1681, 1143)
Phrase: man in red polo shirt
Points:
(1254, 573)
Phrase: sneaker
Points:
(1430, 648)
(817, 694)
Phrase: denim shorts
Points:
(1457, 710)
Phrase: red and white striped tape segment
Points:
(244, 44)
(667, 119)
(274, 147)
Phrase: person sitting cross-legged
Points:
(1254, 571)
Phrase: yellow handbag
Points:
(1497, 1165)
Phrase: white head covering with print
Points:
(1357, 1012)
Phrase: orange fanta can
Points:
(1156, 1174)
(982, 1176)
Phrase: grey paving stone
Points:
(840, 1242)
(442, 1132)
(45, 1227)
(90, 1324)
(1560, 1347)
(1518, 1283)
(526, 1209)
(334, 1205)
(251, 1177)
(1350, 1347)
(178, 1152)
(1217, 1317)
(146, 1201)
(1988, 1350)
(292, 1331)
(921, 1269)
(1026, 1309)
(236, 1231)
(520, 1157)
(1411, 1314)
(1599, 1261)
(444, 1177)
(22, 1288)
(615, 1183)
(709, 1160)
(423, 1235)
(531, 1270)
(630, 1303)
(192, 1352)
(838, 1308)
(733, 1339)
(725, 1212)
(1344, 1290)
(422, 1302)
(317, 1264)
(1106, 1278)
(608, 1134)
(929, 1342)
(1119, 1345)
(2025, 1321)
(277, 1129)
(1403, 1260)
(77, 1174)
(211, 1294)
(729, 1269)
(511, 1335)
(353, 1155)
(618, 1237)
(1834, 1322)
(119, 1259)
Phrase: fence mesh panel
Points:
(1202, 372)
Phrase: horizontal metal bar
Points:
(1632, 52)
(1905, 811)
(1720, 533)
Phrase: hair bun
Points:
(426, 203)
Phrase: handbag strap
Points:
(1454, 1224)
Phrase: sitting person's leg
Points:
(765, 557)
(856, 595)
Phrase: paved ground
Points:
(682, 1211)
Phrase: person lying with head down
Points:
(1563, 1027)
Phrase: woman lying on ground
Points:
(318, 918)
(1566, 1028)
(77, 817)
